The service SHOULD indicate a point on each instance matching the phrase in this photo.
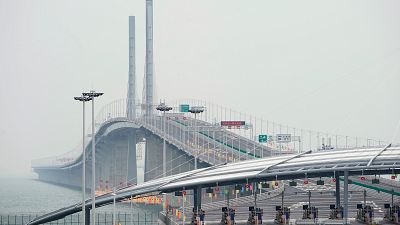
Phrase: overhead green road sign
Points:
(262, 138)
(184, 108)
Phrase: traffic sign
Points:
(184, 108)
(262, 138)
(283, 138)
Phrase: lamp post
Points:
(93, 94)
(113, 194)
(83, 99)
(164, 108)
(196, 110)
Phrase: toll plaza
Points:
(292, 189)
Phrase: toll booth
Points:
(388, 212)
(232, 215)
(202, 215)
(282, 215)
(194, 220)
(225, 218)
(396, 214)
(228, 216)
(310, 212)
(365, 214)
(252, 219)
(259, 215)
(392, 213)
(336, 213)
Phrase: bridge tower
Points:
(149, 57)
(131, 98)
(131, 104)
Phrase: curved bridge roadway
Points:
(212, 144)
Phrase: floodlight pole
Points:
(93, 95)
(346, 195)
(196, 110)
(164, 108)
(83, 99)
(114, 215)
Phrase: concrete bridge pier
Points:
(132, 164)
(153, 158)
(116, 159)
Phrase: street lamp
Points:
(83, 99)
(164, 108)
(113, 194)
(196, 110)
(93, 94)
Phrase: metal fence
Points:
(76, 219)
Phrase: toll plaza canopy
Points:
(379, 160)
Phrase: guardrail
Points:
(76, 219)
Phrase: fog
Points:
(330, 66)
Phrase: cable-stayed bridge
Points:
(216, 135)
(186, 138)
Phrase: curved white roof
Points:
(310, 164)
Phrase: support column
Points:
(365, 197)
(228, 196)
(132, 164)
(153, 158)
(197, 198)
(337, 176)
(87, 216)
(255, 194)
(346, 197)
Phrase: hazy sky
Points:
(324, 65)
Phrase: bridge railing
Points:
(112, 110)
(60, 160)
(279, 137)
(184, 139)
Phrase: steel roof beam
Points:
(378, 154)
(285, 160)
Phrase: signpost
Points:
(184, 108)
(283, 138)
(232, 123)
(262, 138)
